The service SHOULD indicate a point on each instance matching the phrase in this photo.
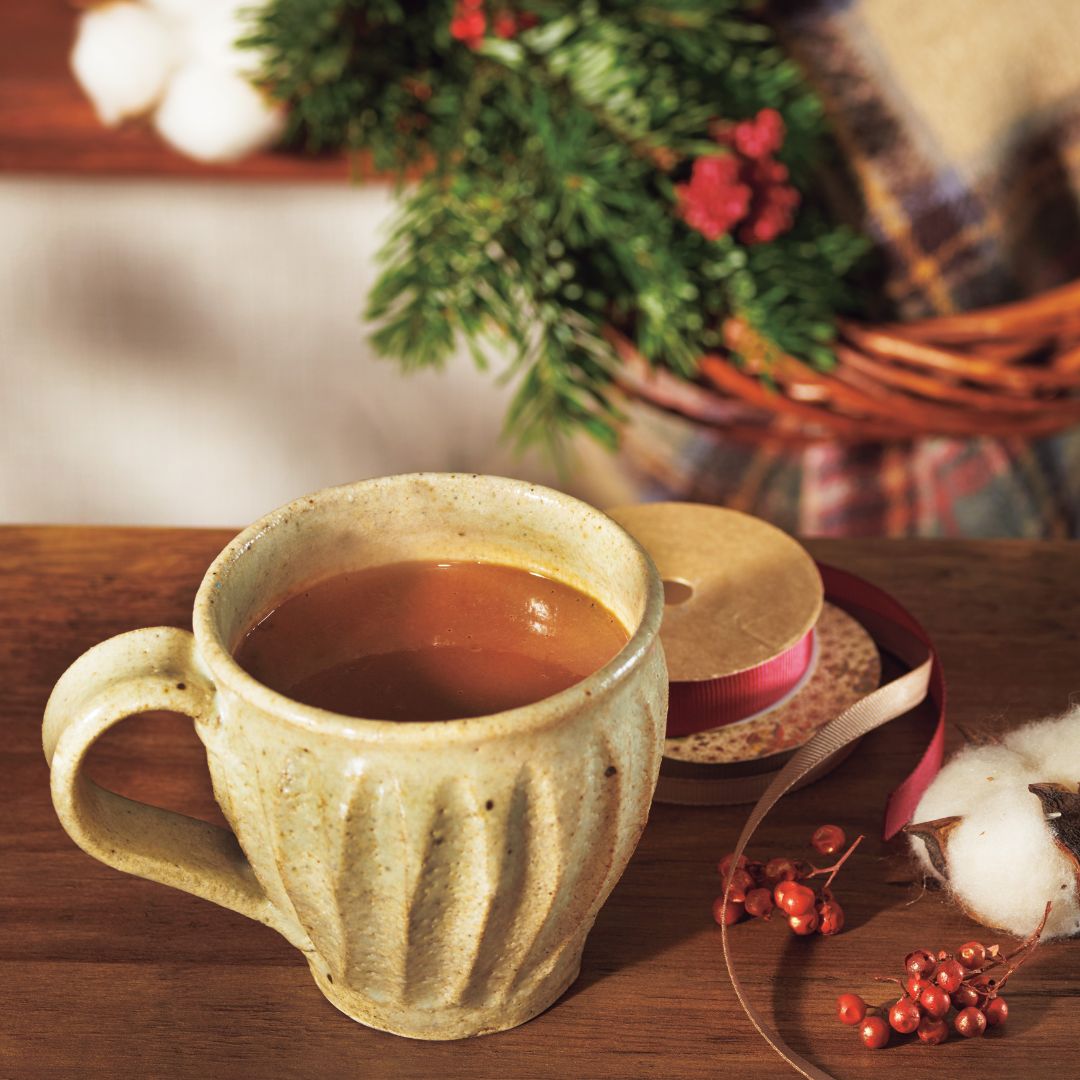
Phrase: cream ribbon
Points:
(877, 708)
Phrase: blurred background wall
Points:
(191, 352)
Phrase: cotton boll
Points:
(215, 32)
(1052, 746)
(961, 786)
(122, 57)
(1004, 866)
(215, 115)
(1001, 859)
(183, 9)
(968, 778)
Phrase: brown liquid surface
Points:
(430, 641)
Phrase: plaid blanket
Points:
(960, 122)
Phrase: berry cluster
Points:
(756, 888)
(969, 981)
(746, 185)
(470, 22)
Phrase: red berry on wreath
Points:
(505, 24)
(874, 1033)
(997, 1012)
(932, 1031)
(904, 1016)
(828, 839)
(759, 136)
(850, 1008)
(715, 199)
(970, 1022)
(468, 24)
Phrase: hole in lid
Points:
(677, 592)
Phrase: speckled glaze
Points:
(440, 878)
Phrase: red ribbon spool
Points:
(713, 703)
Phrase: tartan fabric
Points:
(960, 124)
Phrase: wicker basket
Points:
(1012, 370)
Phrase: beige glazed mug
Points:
(440, 878)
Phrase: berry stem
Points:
(1023, 953)
(833, 870)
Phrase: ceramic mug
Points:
(440, 878)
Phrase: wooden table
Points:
(105, 975)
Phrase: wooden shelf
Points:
(48, 126)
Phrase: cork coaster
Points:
(740, 591)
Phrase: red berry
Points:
(780, 869)
(972, 955)
(727, 916)
(798, 900)
(915, 985)
(964, 996)
(505, 24)
(874, 1033)
(904, 1016)
(742, 880)
(933, 1031)
(725, 863)
(850, 1008)
(468, 25)
(997, 1012)
(920, 962)
(970, 1022)
(828, 839)
(759, 903)
(804, 924)
(949, 975)
(781, 891)
(935, 1002)
(832, 917)
(763, 134)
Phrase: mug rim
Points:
(227, 673)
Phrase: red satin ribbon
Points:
(713, 703)
(859, 598)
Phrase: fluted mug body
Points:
(440, 877)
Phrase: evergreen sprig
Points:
(548, 209)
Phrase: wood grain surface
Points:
(105, 975)
(47, 125)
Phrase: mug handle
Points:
(136, 672)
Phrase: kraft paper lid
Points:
(755, 592)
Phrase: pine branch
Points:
(551, 209)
